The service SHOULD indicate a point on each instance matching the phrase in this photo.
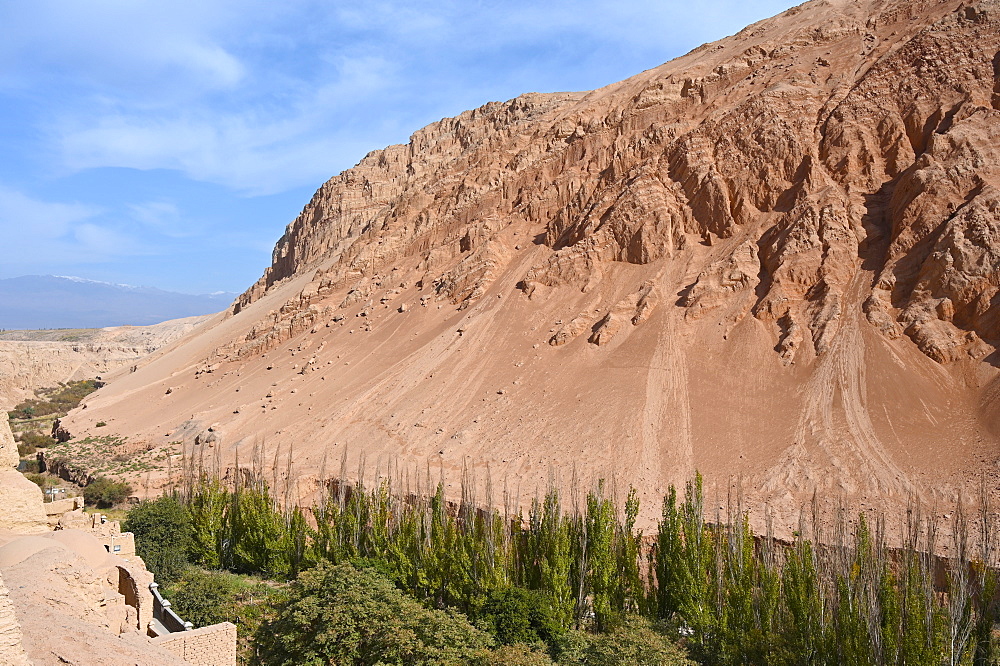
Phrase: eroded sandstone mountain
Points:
(776, 257)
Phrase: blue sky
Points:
(168, 144)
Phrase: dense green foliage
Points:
(43, 481)
(343, 615)
(634, 641)
(203, 597)
(516, 615)
(58, 400)
(104, 493)
(581, 586)
(162, 530)
(207, 597)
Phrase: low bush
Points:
(636, 641)
(519, 655)
(205, 597)
(43, 481)
(516, 615)
(58, 400)
(36, 439)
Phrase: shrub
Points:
(103, 492)
(162, 529)
(519, 655)
(203, 597)
(36, 439)
(636, 641)
(58, 400)
(207, 597)
(517, 615)
(43, 481)
(342, 615)
(23, 411)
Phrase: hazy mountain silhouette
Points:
(49, 301)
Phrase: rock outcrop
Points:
(841, 142)
(21, 500)
(8, 447)
(774, 257)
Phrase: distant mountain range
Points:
(53, 301)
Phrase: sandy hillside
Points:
(775, 258)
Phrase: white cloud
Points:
(44, 233)
(149, 51)
(261, 97)
(22, 217)
(95, 240)
(164, 218)
(261, 150)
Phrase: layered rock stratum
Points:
(774, 258)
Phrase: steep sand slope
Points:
(774, 258)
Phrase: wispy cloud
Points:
(67, 232)
(261, 100)
(154, 134)
(22, 217)
(113, 46)
(263, 149)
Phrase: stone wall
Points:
(11, 650)
(214, 645)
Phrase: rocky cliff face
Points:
(835, 134)
(8, 447)
(774, 257)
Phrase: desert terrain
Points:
(32, 360)
(772, 260)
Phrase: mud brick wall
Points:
(11, 650)
(214, 645)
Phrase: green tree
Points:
(256, 532)
(103, 492)
(517, 615)
(343, 615)
(600, 576)
(162, 529)
(207, 506)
